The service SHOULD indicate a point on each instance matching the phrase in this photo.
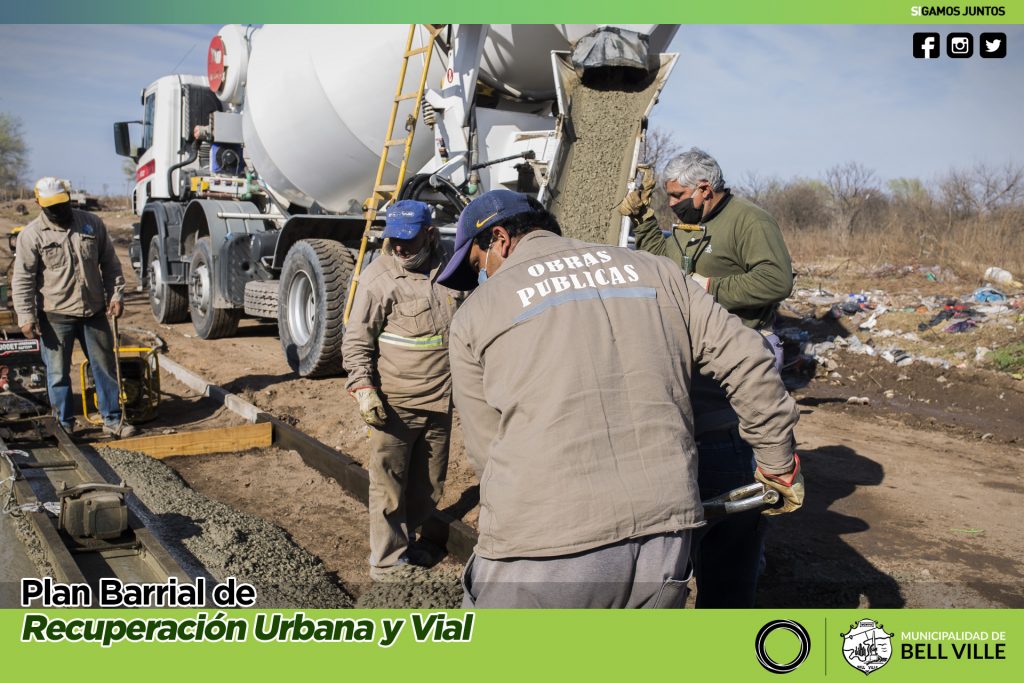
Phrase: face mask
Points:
(687, 212)
(416, 260)
(60, 214)
(482, 275)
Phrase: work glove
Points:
(637, 203)
(30, 330)
(370, 406)
(790, 487)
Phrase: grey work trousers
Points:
(651, 572)
(408, 466)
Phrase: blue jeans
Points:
(59, 333)
(726, 553)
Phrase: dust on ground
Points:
(605, 120)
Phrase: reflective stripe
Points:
(424, 343)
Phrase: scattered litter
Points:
(969, 531)
(980, 353)
(1001, 277)
(962, 326)
(941, 379)
(889, 393)
(986, 295)
(858, 401)
(897, 356)
(988, 436)
(902, 378)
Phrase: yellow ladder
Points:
(383, 192)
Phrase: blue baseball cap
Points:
(404, 219)
(484, 212)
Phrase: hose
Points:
(193, 155)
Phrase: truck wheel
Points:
(261, 298)
(311, 305)
(210, 322)
(168, 302)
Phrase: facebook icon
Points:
(926, 45)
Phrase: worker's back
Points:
(584, 426)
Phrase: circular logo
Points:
(215, 63)
(793, 627)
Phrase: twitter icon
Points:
(993, 45)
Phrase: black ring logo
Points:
(793, 627)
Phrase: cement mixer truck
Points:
(252, 182)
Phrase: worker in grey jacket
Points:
(395, 350)
(66, 281)
(571, 370)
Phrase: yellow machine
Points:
(138, 377)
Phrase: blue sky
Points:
(774, 100)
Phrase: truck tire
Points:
(311, 305)
(261, 298)
(210, 322)
(169, 303)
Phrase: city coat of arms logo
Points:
(866, 646)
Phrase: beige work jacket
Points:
(397, 334)
(572, 368)
(72, 272)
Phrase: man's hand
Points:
(637, 204)
(370, 406)
(790, 486)
(704, 282)
(30, 330)
(115, 309)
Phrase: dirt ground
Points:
(911, 499)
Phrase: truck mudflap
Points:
(231, 245)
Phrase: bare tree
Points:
(851, 186)
(13, 154)
(982, 189)
(660, 145)
(758, 188)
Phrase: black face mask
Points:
(60, 214)
(687, 212)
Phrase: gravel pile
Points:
(415, 588)
(225, 541)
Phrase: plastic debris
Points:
(962, 326)
(1001, 277)
(980, 353)
(858, 401)
(986, 295)
(897, 356)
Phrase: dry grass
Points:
(967, 247)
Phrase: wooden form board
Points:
(207, 441)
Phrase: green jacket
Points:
(742, 252)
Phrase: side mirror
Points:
(122, 140)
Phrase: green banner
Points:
(523, 11)
(801, 645)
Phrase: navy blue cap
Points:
(487, 210)
(404, 219)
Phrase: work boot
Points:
(119, 430)
(420, 556)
